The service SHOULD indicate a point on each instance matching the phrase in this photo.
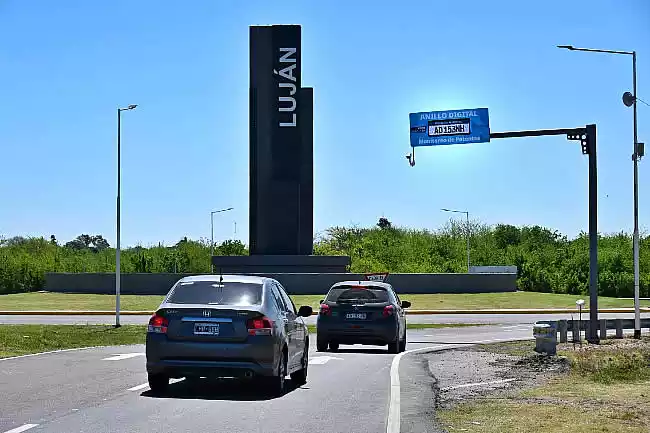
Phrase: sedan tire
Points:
(300, 377)
(275, 384)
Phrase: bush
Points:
(546, 260)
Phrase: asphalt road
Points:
(430, 318)
(104, 390)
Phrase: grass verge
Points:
(18, 340)
(71, 301)
(607, 390)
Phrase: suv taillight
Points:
(158, 324)
(388, 311)
(325, 310)
(259, 326)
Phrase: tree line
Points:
(547, 261)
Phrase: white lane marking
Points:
(122, 356)
(51, 352)
(146, 385)
(139, 387)
(394, 415)
(319, 360)
(393, 422)
(22, 428)
(467, 385)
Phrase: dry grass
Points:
(607, 390)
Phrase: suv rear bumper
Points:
(371, 333)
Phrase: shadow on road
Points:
(221, 389)
(352, 349)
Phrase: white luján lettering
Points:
(287, 104)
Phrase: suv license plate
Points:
(206, 329)
(361, 316)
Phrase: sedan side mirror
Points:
(305, 311)
(406, 304)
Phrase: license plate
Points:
(206, 329)
(361, 316)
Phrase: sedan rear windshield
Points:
(215, 293)
(344, 294)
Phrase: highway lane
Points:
(103, 390)
(429, 318)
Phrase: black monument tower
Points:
(281, 129)
(281, 144)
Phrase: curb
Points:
(408, 312)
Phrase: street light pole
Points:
(635, 236)
(212, 234)
(117, 243)
(635, 160)
(466, 230)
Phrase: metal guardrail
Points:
(576, 327)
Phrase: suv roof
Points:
(362, 283)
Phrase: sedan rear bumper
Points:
(177, 358)
(188, 368)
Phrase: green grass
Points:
(69, 301)
(25, 339)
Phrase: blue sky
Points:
(66, 66)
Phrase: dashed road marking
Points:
(122, 356)
(22, 428)
(467, 385)
(139, 387)
(319, 360)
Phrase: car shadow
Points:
(354, 350)
(218, 389)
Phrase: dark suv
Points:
(362, 312)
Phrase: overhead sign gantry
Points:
(473, 126)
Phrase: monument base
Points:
(261, 264)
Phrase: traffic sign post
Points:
(436, 128)
(471, 126)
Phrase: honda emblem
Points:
(206, 313)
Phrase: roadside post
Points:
(436, 128)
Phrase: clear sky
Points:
(65, 66)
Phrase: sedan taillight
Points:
(158, 324)
(259, 326)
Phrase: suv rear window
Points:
(215, 293)
(344, 294)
